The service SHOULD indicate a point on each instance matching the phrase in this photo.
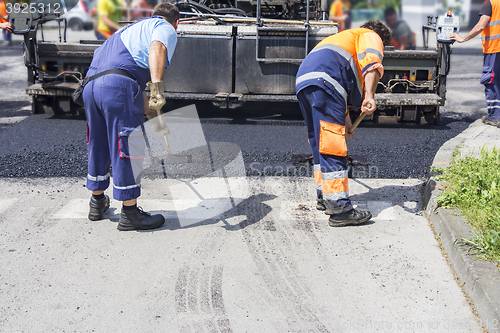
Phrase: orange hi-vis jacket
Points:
(3, 12)
(339, 63)
(336, 9)
(491, 34)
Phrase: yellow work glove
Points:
(158, 123)
(157, 98)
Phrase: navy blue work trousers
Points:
(325, 120)
(114, 106)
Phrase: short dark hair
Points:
(389, 11)
(381, 30)
(167, 10)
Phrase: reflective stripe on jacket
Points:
(491, 34)
(339, 62)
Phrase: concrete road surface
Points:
(237, 254)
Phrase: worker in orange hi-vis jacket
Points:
(340, 12)
(6, 27)
(402, 36)
(489, 28)
(342, 70)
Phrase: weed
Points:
(473, 187)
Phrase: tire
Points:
(37, 106)
(433, 117)
(75, 24)
(54, 103)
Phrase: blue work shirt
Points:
(138, 37)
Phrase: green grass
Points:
(473, 187)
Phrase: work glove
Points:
(158, 123)
(157, 98)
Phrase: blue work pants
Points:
(491, 81)
(114, 106)
(325, 121)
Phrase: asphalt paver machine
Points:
(229, 58)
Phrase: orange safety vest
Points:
(364, 47)
(395, 42)
(3, 12)
(337, 10)
(491, 34)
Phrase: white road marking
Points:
(192, 209)
(11, 120)
(6, 203)
(75, 208)
(187, 211)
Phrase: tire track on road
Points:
(270, 246)
(198, 293)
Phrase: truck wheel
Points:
(54, 103)
(433, 117)
(37, 106)
(75, 24)
(437, 119)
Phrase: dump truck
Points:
(230, 60)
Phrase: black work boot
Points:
(137, 219)
(320, 204)
(98, 207)
(352, 217)
(487, 121)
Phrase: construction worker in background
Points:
(402, 36)
(6, 27)
(332, 77)
(340, 13)
(109, 13)
(141, 8)
(489, 26)
(115, 104)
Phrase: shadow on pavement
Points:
(253, 208)
(398, 195)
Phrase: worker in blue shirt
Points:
(115, 104)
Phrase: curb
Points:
(481, 279)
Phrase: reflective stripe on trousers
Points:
(492, 91)
(114, 107)
(329, 170)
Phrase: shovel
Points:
(358, 120)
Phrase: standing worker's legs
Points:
(306, 109)
(325, 121)
(7, 37)
(122, 107)
(330, 168)
(491, 69)
(98, 156)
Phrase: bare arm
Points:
(336, 13)
(371, 83)
(338, 18)
(7, 26)
(157, 61)
(368, 105)
(109, 23)
(403, 42)
(478, 28)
